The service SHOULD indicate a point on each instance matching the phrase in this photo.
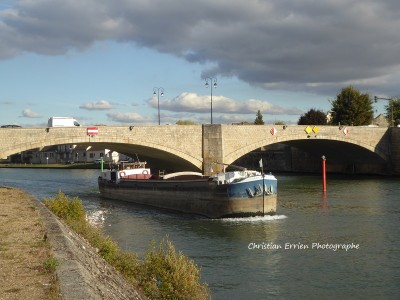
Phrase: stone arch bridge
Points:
(204, 147)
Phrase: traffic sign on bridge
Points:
(92, 131)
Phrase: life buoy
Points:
(145, 172)
(122, 174)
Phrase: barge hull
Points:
(200, 197)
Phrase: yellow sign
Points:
(315, 129)
(308, 129)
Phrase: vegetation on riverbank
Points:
(164, 273)
(51, 166)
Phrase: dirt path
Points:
(23, 249)
(29, 234)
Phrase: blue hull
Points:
(203, 197)
(251, 188)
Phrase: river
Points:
(344, 245)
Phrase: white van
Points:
(62, 122)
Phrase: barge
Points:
(227, 194)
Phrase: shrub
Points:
(108, 249)
(168, 274)
(66, 208)
(127, 264)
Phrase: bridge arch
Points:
(115, 144)
(238, 153)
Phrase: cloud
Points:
(28, 113)
(6, 102)
(191, 102)
(127, 117)
(313, 46)
(99, 105)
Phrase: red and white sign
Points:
(273, 131)
(346, 131)
(92, 131)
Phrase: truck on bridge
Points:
(62, 122)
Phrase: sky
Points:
(99, 61)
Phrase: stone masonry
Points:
(205, 146)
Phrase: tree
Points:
(279, 123)
(395, 105)
(352, 108)
(185, 122)
(313, 117)
(259, 119)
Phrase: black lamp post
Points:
(156, 91)
(391, 107)
(212, 84)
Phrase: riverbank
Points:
(23, 249)
(42, 259)
(51, 166)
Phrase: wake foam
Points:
(253, 219)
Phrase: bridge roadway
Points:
(199, 147)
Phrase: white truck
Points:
(62, 122)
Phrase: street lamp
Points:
(213, 84)
(391, 107)
(156, 91)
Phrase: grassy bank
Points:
(51, 166)
(27, 265)
(164, 272)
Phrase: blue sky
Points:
(99, 60)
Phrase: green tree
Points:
(259, 119)
(395, 104)
(352, 108)
(279, 123)
(313, 117)
(185, 122)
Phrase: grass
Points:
(164, 273)
(50, 264)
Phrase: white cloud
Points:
(28, 113)
(191, 102)
(99, 105)
(127, 117)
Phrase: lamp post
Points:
(391, 107)
(212, 84)
(156, 91)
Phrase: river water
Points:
(344, 245)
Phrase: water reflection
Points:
(356, 210)
(96, 217)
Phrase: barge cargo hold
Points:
(228, 194)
